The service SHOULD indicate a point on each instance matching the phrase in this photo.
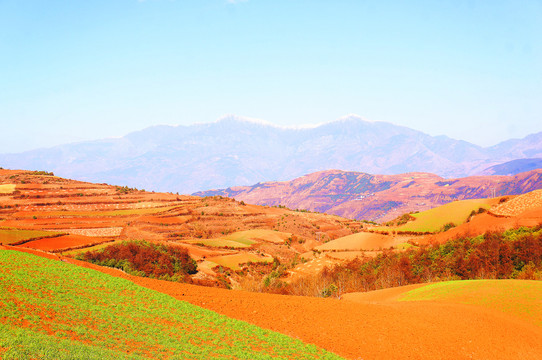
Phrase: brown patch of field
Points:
(359, 241)
(519, 204)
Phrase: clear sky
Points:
(79, 70)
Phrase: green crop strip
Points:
(518, 297)
(55, 310)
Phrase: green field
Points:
(455, 212)
(522, 298)
(55, 310)
(13, 236)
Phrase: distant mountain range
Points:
(236, 151)
(514, 167)
(377, 197)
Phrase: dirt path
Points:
(376, 330)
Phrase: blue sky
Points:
(79, 70)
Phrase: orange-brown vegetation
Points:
(516, 254)
(145, 259)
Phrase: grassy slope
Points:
(522, 298)
(55, 310)
(434, 219)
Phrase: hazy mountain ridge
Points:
(377, 197)
(236, 151)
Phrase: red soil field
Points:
(63, 243)
(371, 330)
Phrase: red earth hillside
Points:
(41, 211)
(378, 197)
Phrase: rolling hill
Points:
(61, 307)
(44, 212)
(378, 197)
(56, 310)
(488, 319)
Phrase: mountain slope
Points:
(236, 151)
(514, 167)
(378, 197)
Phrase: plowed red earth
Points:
(371, 330)
(64, 242)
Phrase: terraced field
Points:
(519, 204)
(58, 310)
(34, 205)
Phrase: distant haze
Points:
(236, 151)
